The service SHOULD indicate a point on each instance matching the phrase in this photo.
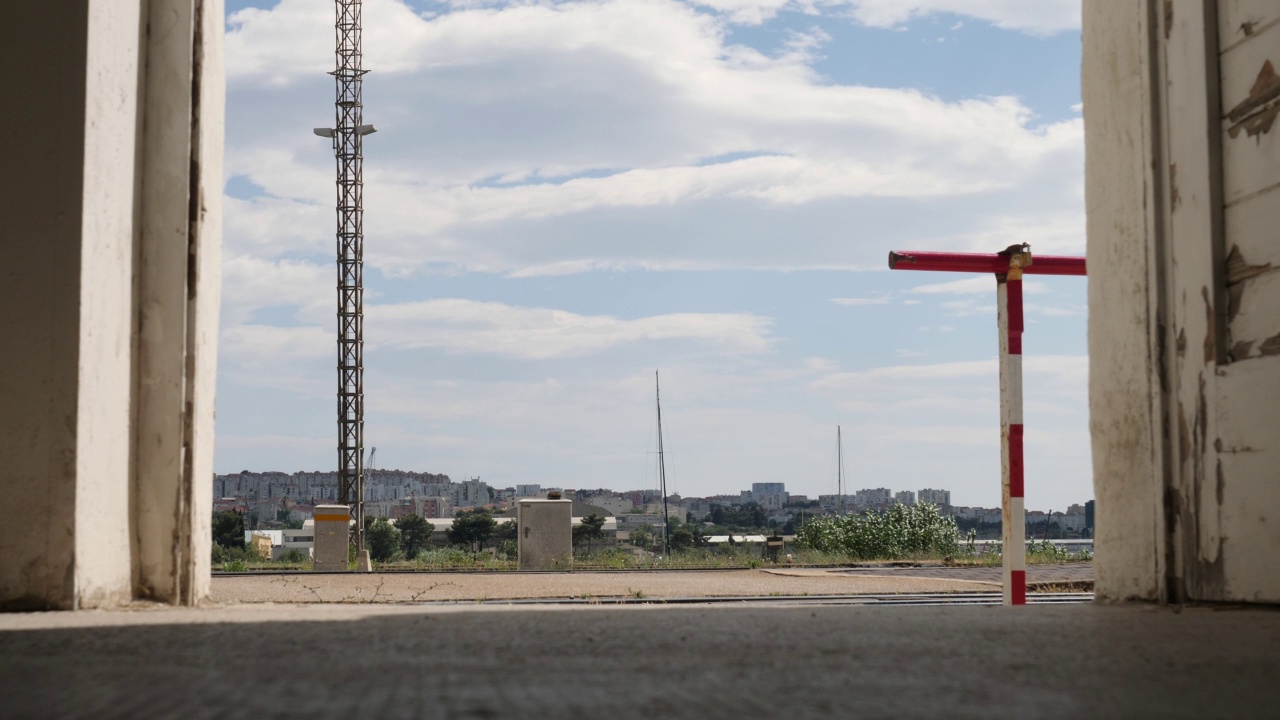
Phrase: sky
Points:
(564, 197)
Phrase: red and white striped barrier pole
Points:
(1008, 267)
(1013, 507)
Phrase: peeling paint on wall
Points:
(1238, 269)
(1257, 112)
(1209, 355)
(1270, 346)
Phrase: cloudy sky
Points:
(563, 197)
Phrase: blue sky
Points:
(563, 197)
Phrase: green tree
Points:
(228, 529)
(472, 529)
(415, 534)
(383, 540)
(591, 528)
(642, 537)
(509, 530)
(682, 538)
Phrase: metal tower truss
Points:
(348, 144)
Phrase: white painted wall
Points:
(1182, 171)
(101, 522)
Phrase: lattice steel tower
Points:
(348, 145)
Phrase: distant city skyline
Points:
(470, 490)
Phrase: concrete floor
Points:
(425, 587)
(388, 661)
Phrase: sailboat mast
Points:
(662, 471)
(840, 468)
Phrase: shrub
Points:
(293, 555)
(510, 549)
(222, 554)
(382, 539)
(901, 531)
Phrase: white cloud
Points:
(896, 376)
(252, 283)
(468, 326)
(852, 301)
(1040, 17)
(969, 306)
(260, 344)
(526, 140)
(541, 333)
(974, 285)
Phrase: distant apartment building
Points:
(769, 495)
(871, 497)
(427, 507)
(727, 500)
(1069, 521)
(906, 497)
(633, 521)
(835, 502)
(698, 506)
(229, 503)
(768, 488)
(941, 498)
(772, 501)
(469, 493)
(528, 491)
(615, 505)
(435, 507)
(260, 544)
(320, 494)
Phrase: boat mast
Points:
(662, 472)
(840, 468)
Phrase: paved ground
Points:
(379, 661)
(1065, 573)
(425, 587)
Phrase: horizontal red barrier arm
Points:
(983, 262)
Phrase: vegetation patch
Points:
(902, 531)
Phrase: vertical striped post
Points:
(1008, 267)
(1014, 530)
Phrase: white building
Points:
(873, 496)
(941, 498)
(615, 505)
